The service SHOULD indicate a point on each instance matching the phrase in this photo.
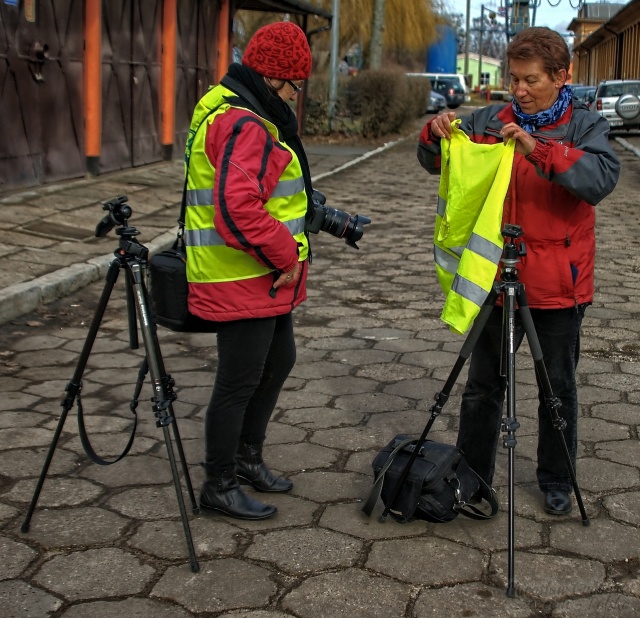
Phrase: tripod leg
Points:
(552, 403)
(442, 397)
(510, 424)
(144, 369)
(162, 396)
(75, 384)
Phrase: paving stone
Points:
(348, 594)
(320, 418)
(610, 605)
(437, 561)
(146, 503)
(22, 600)
(603, 540)
(56, 491)
(167, 540)
(29, 462)
(131, 608)
(325, 486)
(138, 470)
(305, 550)
(95, 573)
(473, 599)
(601, 475)
(6, 513)
(622, 451)
(547, 576)
(13, 400)
(350, 519)
(76, 527)
(215, 587)
(625, 507)
(301, 456)
(624, 413)
(16, 557)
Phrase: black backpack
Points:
(437, 488)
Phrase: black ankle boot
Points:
(251, 469)
(221, 493)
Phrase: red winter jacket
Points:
(248, 164)
(552, 195)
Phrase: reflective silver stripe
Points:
(287, 188)
(442, 206)
(485, 248)
(199, 197)
(469, 290)
(295, 226)
(211, 238)
(203, 238)
(445, 261)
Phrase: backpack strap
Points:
(377, 485)
(468, 510)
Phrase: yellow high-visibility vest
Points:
(209, 260)
(467, 241)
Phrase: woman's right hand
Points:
(441, 125)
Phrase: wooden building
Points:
(92, 86)
(607, 44)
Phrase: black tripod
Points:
(513, 292)
(131, 256)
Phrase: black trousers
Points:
(481, 411)
(255, 357)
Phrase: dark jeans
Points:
(481, 411)
(254, 359)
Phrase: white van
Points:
(458, 76)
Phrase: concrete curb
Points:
(28, 296)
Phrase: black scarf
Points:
(266, 103)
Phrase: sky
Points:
(556, 17)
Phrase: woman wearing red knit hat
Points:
(248, 189)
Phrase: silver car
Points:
(436, 103)
(606, 102)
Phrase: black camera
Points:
(119, 213)
(335, 222)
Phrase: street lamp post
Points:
(492, 17)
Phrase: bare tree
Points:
(377, 28)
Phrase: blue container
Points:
(442, 56)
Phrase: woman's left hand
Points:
(288, 278)
(524, 142)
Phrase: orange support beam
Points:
(93, 83)
(224, 42)
(168, 76)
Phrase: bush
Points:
(371, 104)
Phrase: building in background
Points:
(94, 86)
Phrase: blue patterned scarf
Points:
(531, 122)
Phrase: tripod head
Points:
(512, 251)
(119, 213)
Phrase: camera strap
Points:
(84, 437)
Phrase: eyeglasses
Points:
(296, 89)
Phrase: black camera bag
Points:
(170, 290)
(438, 486)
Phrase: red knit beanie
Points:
(279, 50)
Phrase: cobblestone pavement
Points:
(108, 541)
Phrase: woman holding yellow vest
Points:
(248, 186)
(562, 167)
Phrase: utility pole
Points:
(466, 41)
(333, 69)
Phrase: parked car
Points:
(436, 103)
(607, 94)
(584, 94)
(450, 89)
